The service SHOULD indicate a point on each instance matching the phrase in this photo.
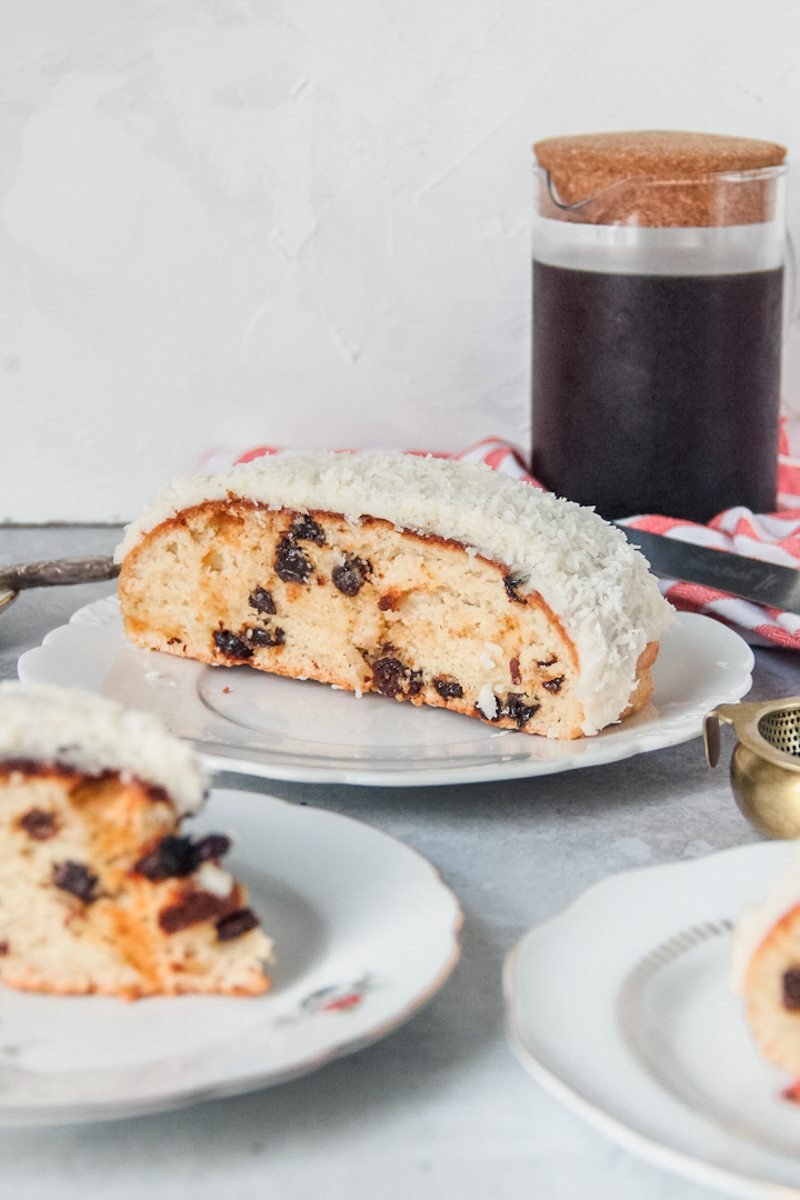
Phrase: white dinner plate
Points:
(244, 720)
(621, 1007)
(365, 933)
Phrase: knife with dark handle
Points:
(750, 578)
(56, 572)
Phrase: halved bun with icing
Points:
(101, 889)
(422, 579)
(766, 969)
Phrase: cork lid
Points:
(660, 177)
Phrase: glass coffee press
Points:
(658, 261)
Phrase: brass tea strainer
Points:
(765, 766)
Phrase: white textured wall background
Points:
(224, 222)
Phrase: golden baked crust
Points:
(364, 606)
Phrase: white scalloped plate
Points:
(243, 720)
(365, 933)
(621, 1007)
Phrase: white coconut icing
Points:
(93, 734)
(755, 923)
(585, 569)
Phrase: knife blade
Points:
(750, 578)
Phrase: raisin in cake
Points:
(423, 579)
(766, 969)
(100, 891)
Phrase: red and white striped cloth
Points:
(773, 537)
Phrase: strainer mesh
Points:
(782, 730)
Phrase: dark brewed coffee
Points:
(653, 393)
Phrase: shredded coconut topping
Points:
(585, 570)
(93, 734)
(487, 702)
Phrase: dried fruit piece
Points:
(171, 858)
(262, 601)
(230, 645)
(212, 846)
(349, 576)
(193, 908)
(515, 708)
(291, 564)
(553, 685)
(242, 920)
(389, 675)
(791, 989)
(75, 878)
(448, 689)
(175, 857)
(511, 584)
(513, 670)
(306, 529)
(273, 636)
(39, 824)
